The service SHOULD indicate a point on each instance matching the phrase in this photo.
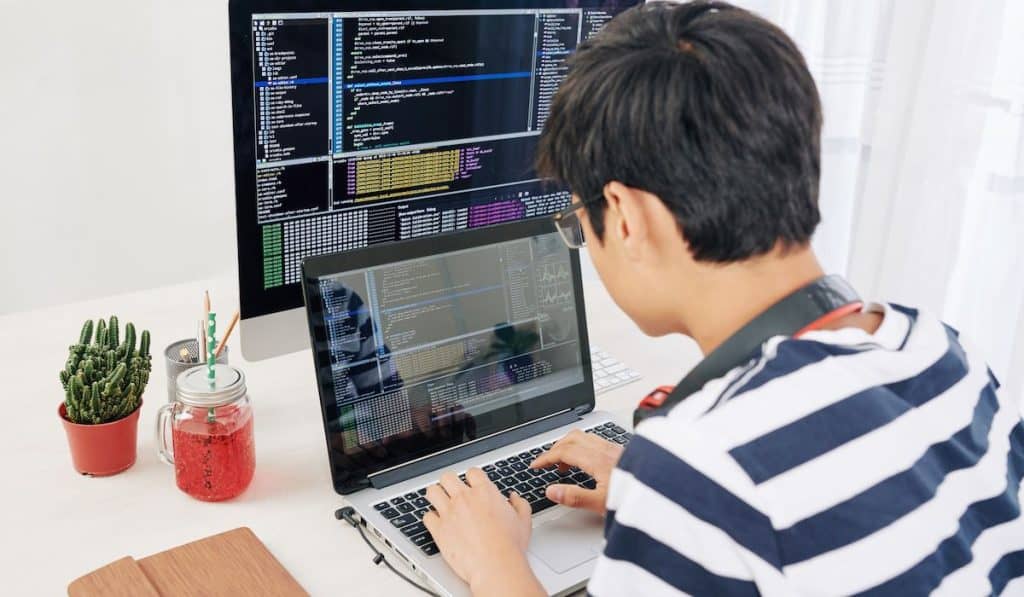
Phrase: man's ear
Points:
(628, 219)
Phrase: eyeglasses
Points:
(567, 222)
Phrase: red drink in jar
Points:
(211, 433)
(214, 461)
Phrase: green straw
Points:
(211, 359)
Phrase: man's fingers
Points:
(520, 505)
(572, 449)
(430, 521)
(566, 455)
(438, 499)
(556, 455)
(477, 478)
(452, 484)
(575, 497)
(545, 459)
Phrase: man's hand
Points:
(592, 454)
(482, 536)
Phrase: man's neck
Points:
(730, 296)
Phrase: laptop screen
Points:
(418, 355)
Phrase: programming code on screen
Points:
(373, 127)
(416, 342)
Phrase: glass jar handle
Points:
(165, 452)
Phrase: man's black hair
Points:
(705, 105)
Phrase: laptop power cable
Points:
(348, 514)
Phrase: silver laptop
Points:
(459, 351)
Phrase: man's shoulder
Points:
(745, 403)
(825, 457)
(832, 363)
(801, 399)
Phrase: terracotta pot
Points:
(105, 449)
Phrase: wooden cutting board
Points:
(231, 563)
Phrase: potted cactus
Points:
(103, 380)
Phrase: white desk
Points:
(57, 525)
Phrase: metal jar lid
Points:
(194, 388)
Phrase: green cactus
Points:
(129, 341)
(112, 332)
(101, 333)
(86, 335)
(104, 381)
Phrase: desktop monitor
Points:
(358, 123)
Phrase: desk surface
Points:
(58, 525)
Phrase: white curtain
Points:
(922, 190)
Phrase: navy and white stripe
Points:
(838, 463)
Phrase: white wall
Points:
(116, 160)
(116, 155)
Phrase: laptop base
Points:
(563, 547)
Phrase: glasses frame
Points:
(567, 222)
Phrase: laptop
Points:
(459, 351)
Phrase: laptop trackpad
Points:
(566, 541)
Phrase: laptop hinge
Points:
(449, 457)
(583, 409)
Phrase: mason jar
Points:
(211, 428)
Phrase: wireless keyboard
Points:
(609, 373)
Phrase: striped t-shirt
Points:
(839, 463)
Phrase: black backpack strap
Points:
(784, 318)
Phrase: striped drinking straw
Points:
(211, 359)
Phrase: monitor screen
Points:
(423, 354)
(360, 123)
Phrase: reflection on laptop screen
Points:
(424, 344)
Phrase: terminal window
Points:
(415, 343)
(373, 127)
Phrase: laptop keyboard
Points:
(609, 372)
(511, 473)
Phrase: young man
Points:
(874, 454)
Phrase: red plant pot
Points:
(105, 449)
